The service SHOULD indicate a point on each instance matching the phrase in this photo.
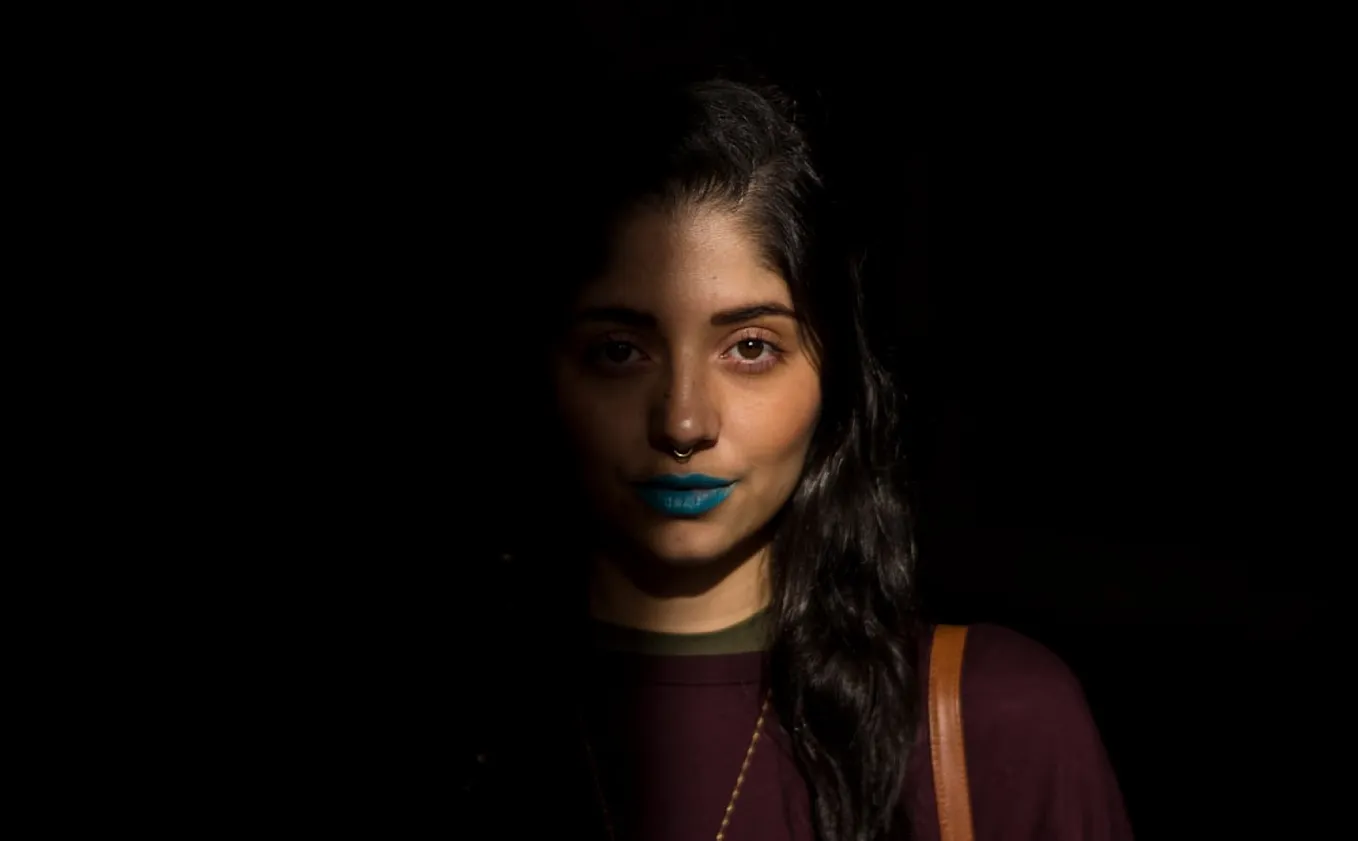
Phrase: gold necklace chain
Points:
(735, 792)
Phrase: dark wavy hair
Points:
(843, 657)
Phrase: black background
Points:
(1084, 250)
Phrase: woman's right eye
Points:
(614, 354)
(618, 352)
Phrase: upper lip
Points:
(687, 482)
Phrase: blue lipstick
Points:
(687, 495)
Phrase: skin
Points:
(669, 350)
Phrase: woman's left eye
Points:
(751, 350)
(754, 354)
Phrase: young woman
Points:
(718, 603)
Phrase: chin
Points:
(688, 542)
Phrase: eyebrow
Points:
(750, 313)
(637, 318)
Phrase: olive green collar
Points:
(748, 635)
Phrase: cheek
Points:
(598, 421)
(776, 429)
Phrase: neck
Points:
(676, 599)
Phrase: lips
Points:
(686, 495)
(687, 482)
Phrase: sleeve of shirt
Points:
(1036, 764)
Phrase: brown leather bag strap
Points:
(945, 733)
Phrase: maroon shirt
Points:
(670, 734)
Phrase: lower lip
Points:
(683, 503)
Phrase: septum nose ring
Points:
(683, 456)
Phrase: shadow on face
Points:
(687, 389)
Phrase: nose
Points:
(684, 416)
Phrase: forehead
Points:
(671, 261)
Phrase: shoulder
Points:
(1018, 697)
(1036, 763)
(1014, 678)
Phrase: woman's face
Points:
(688, 341)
